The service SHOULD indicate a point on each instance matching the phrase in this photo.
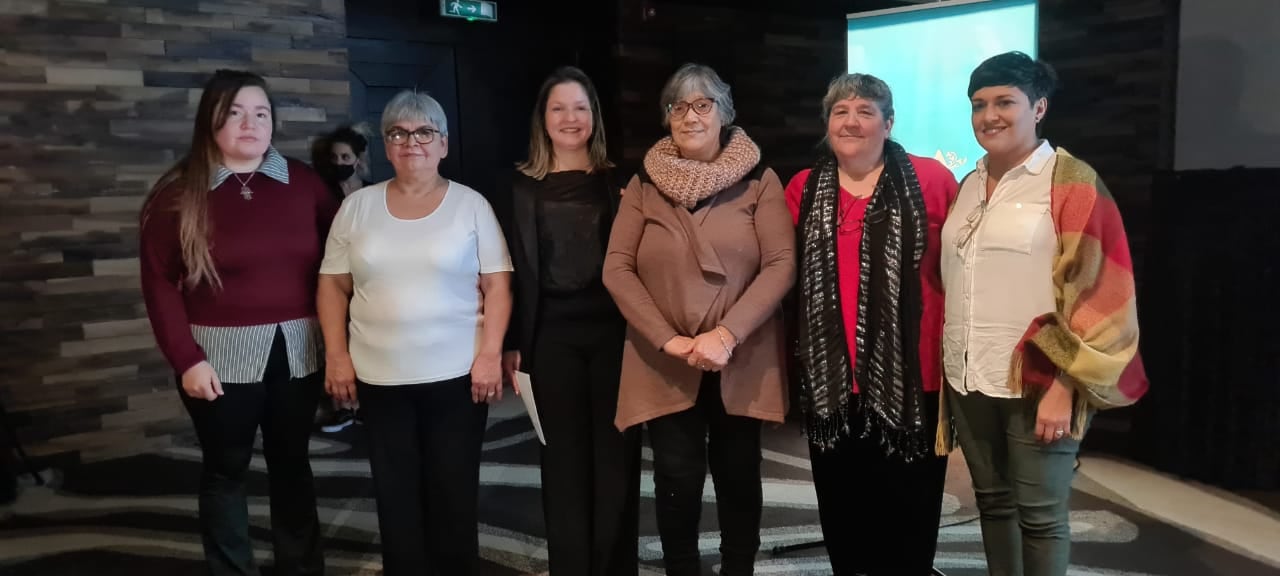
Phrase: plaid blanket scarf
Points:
(1091, 341)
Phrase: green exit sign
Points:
(472, 10)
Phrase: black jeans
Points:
(683, 444)
(879, 515)
(424, 452)
(590, 470)
(284, 407)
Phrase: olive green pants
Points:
(1022, 486)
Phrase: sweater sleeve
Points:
(776, 235)
(162, 271)
(621, 277)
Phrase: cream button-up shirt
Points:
(997, 269)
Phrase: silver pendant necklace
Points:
(245, 192)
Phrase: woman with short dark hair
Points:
(342, 159)
(1041, 321)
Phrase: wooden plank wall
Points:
(96, 101)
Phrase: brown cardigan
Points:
(675, 272)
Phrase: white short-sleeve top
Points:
(416, 312)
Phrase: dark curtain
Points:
(1211, 329)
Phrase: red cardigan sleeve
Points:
(160, 256)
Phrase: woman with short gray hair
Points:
(868, 335)
(699, 260)
(424, 351)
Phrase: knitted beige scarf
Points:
(687, 182)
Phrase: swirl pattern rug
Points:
(137, 515)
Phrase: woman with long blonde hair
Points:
(567, 332)
(230, 247)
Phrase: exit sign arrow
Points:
(470, 10)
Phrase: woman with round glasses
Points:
(1041, 324)
(699, 260)
(424, 354)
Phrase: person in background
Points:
(1041, 324)
(567, 333)
(341, 157)
(700, 257)
(408, 333)
(869, 330)
(230, 245)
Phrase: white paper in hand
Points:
(526, 394)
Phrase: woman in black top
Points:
(567, 334)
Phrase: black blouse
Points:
(573, 231)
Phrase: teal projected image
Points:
(926, 55)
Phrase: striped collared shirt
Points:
(239, 354)
(273, 166)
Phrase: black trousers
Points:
(683, 444)
(284, 407)
(590, 470)
(879, 515)
(424, 452)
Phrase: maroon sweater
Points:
(266, 250)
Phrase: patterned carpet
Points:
(137, 515)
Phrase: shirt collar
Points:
(1034, 164)
(273, 166)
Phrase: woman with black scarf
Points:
(868, 334)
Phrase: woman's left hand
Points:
(1053, 416)
(486, 378)
(709, 353)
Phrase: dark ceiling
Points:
(833, 8)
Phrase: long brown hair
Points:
(194, 172)
(541, 151)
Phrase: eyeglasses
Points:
(702, 106)
(970, 227)
(423, 135)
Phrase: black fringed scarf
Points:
(890, 404)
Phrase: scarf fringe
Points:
(899, 444)
(944, 437)
(825, 432)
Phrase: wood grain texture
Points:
(96, 101)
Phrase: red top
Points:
(267, 251)
(938, 186)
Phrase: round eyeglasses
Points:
(701, 106)
(423, 135)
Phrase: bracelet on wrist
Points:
(723, 342)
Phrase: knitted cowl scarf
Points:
(687, 182)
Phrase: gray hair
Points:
(863, 86)
(692, 78)
(411, 105)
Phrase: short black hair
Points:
(347, 135)
(1035, 78)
